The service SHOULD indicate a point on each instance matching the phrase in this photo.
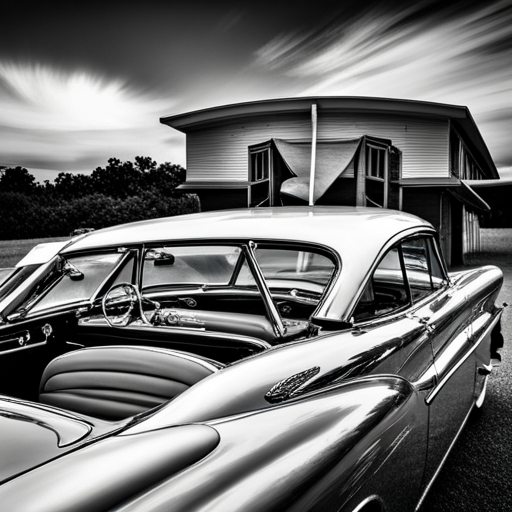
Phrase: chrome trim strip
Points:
(56, 310)
(2, 352)
(428, 380)
(429, 399)
(481, 397)
(367, 500)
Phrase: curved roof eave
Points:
(460, 115)
(198, 118)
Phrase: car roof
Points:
(325, 225)
(356, 234)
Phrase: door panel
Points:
(448, 319)
(26, 348)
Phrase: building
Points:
(407, 155)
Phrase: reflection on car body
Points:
(270, 359)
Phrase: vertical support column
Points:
(313, 155)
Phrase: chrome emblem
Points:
(290, 387)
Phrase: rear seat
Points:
(115, 382)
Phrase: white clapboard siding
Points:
(423, 141)
(221, 152)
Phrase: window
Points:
(93, 270)
(386, 291)
(189, 265)
(376, 163)
(376, 176)
(407, 273)
(290, 268)
(417, 268)
(470, 169)
(454, 153)
(259, 176)
(423, 268)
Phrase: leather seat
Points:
(115, 382)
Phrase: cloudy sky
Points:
(81, 82)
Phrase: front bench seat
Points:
(115, 382)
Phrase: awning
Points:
(456, 187)
(467, 196)
(333, 159)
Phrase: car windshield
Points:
(70, 280)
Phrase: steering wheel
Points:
(118, 304)
(123, 303)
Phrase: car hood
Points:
(32, 434)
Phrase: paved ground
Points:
(478, 474)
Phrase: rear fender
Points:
(322, 452)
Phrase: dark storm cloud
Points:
(451, 53)
(82, 82)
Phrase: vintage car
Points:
(271, 359)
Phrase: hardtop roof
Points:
(325, 225)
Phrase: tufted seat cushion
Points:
(116, 382)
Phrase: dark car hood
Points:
(31, 434)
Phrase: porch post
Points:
(313, 155)
(360, 177)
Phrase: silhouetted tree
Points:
(72, 185)
(118, 193)
(17, 180)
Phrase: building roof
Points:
(459, 116)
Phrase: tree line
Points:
(117, 193)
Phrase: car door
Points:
(444, 311)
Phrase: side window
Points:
(386, 291)
(406, 274)
(416, 267)
(423, 268)
(436, 267)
